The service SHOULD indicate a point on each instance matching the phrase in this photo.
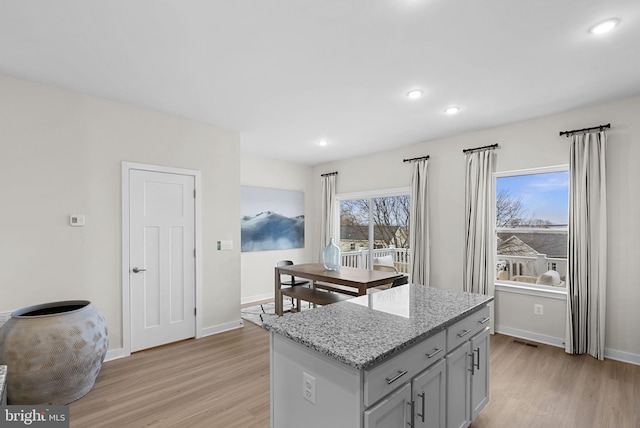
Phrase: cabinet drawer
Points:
(466, 328)
(383, 379)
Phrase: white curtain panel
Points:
(587, 264)
(478, 223)
(419, 223)
(328, 227)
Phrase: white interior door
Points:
(161, 258)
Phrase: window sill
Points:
(532, 290)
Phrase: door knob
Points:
(136, 269)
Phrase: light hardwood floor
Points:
(223, 381)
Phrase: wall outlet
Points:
(538, 309)
(309, 387)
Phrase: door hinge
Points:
(194, 193)
(194, 252)
(195, 311)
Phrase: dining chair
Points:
(291, 282)
(396, 282)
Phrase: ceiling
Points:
(288, 73)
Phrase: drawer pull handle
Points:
(398, 376)
(464, 333)
(435, 352)
(484, 321)
(422, 414)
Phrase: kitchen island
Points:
(407, 356)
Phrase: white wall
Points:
(257, 267)
(528, 144)
(61, 154)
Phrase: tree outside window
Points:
(389, 218)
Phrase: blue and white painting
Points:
(272, 219)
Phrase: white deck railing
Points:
(360, 259)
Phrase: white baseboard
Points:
(221, 328)
(4, 317)
(625, 357)
(529, 335)
(258, 298)
(114, 354)
(612, 354)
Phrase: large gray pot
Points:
(53, 352)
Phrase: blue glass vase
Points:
(331, 256)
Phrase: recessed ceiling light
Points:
(323, 142)
(452, 110)
(414, 94)
(604, 27)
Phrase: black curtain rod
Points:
(599, 128)
(492, 146)
(416, 159)
(329, 173)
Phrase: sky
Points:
(544, 196)
(259, 199)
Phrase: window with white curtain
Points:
(531, 229)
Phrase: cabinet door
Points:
(392, 411)
(459, 386)
(480, 372)
(428, 393)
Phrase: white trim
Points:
(531, 171)
(611, 354)
(126, 303)
(538, 290)
(258, 298)
(397, 191)
(221, 328)
(4, 317)
(114, 354)
(529, 335)
(625, 357)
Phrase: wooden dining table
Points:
(356, 279)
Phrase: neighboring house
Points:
(553, 244)
(550, 245)
(352, 238)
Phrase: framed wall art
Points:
(272, 219)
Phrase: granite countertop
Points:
(365, 330)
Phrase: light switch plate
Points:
(225, 245)
(76, 220)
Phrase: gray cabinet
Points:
(459, 387)
(428, 395)
(479, 372)
(393, 411)
(419, 372)
(467, 369)
(430, 384)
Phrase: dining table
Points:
(355, 280)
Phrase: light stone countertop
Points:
(365, 330)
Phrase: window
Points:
(375, 225)
(532, 216)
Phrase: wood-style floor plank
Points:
(541, 386)
(223, 381)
